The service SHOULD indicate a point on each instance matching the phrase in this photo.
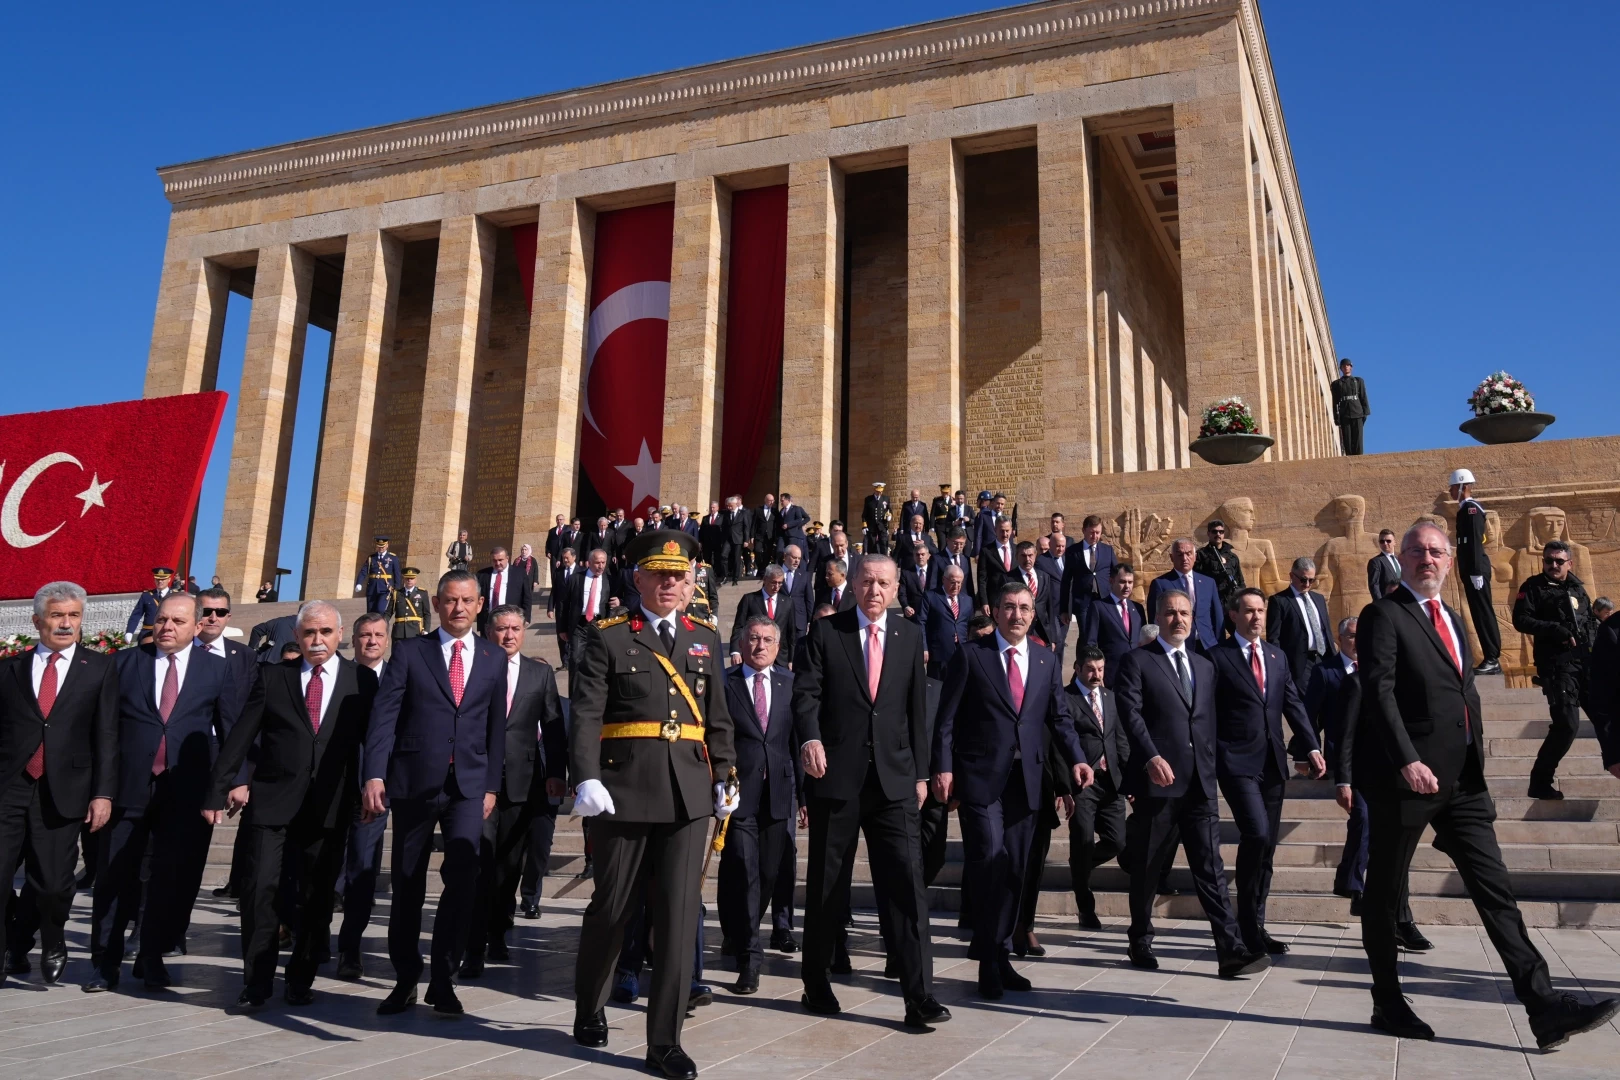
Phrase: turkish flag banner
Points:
(100, 495)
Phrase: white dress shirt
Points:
(657, 621)
(513, 665)
(160, 671)
(1313, 627)
(41, 654)
(749, 675)
(1456, 637)
(329, 669)
(445, 638)
(217, 647)
(1173, 651)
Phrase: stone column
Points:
(551, 393)
(811, 336)
(1220, 287)
(250, 528)
(694, 379)
(461, 287)
(934, 389)
(364, 336)
(187, 330)
(1068, 350)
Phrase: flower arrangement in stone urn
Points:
(1229, 434)
(1504, 411)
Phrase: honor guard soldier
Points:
(146, 605)
(379, 578)
(1350, 407)
(651, 737)
(1474, 564)
(411, 608)
(706, 591)
(877, 517)
(939, 514)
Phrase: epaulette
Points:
(701, 621)
(611, 620)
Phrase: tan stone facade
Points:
(1024, 249)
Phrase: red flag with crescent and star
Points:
(100, 495)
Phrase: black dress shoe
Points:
(925, 1013)
(51, 963)
(137, 970)
(155, 974)
(251, 998)
(672, 1062)
(337, 903)
(840, 962)
(85, 883)
(821, 1001)
(99, 984)
(17, 964)
(349, 968)
(728, 947)
(891, 968)
(591, 1030)
(700, 995)
(1274, 946)
(1355, 904)
(472, 967)
(1489, 667)
(1141, 956)
(180, 948)
(1410, 938)
(400, 998)
(531, 910)
(1243, 964)
(1089, 921)
(300, 995)
(1566, 1016)
(747, 981)
(1399, 1020)
(225, 892)
(1540, 789)
(442, 996)
(1011, 978)
(499, 953)
(784, 941)
(990, 987)
(1035, 948)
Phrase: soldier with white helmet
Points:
(1474, 563)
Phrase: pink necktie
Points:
(1258, 667)
(1015, 681)
(590, 602)
(312, 699)
(47, 697)
(761, 710)
(1006, 558)
(770, 609)
(171, 690)
(874, 659)
(458, 674)
(1125, 616)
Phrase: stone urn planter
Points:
(1231, 449)
(1507, 427)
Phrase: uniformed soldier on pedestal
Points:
(379, 578)
(411, 608)
(1350, 407)
(1474, 564)
(878, 518)
(146, 604)
(650, 751)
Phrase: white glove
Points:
(357, 588)
(591, 798)
(725, 803)
(1479, 582)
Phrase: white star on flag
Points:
(92, 494)
(643, 476)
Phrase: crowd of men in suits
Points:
(868, 693)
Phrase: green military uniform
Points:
(1555, 614)
(705, 593)
(412, 612)
(658, 738)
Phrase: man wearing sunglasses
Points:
(1553, 609)
(214, 615)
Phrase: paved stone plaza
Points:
(1090, 1015)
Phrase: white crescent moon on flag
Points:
(643, 300)
(10, 527)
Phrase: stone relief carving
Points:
(1143, 541)
(1341, 563)
(1256, 555)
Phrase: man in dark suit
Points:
(767, 532)
(914, 577)
(1003, 698)
(1350, 408)
(770, 602)
(1254, 692)
(562, 535)
(308, 718)
(569, 568)
(944, 617)
(1097, 825)
(1419, 762)
(712, 535)
(1297, 621)
(913, 535)
(363, 856)
(1205, 593)
(799, 586)
(501, 586)
(534, 765)
(739, 537)
(835, 587)
(176, 704)
(794, 519)
(954, 554)
(603, 535)
(583, 598)
(759, 698)
(434, 751)
(1054, 561)
(914, 507)
(1114, 624)
(1087, 564)
(860, 715)
(214, 607)
(1166, 696)
(58, 759)
(985, 524)
(998, 562)
(1384, 568)
(1043, 589)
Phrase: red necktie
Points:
(762, 711)
(458, 674)
(770, 611)
(312, 699)
(1015, 680)
(954, 614)
(171, 690)
(497, 594)
(47, 697)
(1257, 666)
(1031, 577)
(1444, 630)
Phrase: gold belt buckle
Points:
(670, 731)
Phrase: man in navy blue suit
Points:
(799, 585)
(1003, 696)
(793, 520)
(1297, 621)
(176, 704)
(1253, 693)
(944, 619)
(1166, 698)
(1204, 592)
(434, 752)
(1086, 567)
(1113, 623)
(759, 697)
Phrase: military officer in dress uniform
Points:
(705, 591)
(411, 608)
(379, 578)
(939, 514)
(1474, 563)
(146, 605)
(650, 752)
(1350, 407)
(878, 518)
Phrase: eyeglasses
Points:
(1555, 562)
(210, 612)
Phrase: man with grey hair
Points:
(59, 753)
(1201, 589)
(770, 602)
(1297, 621)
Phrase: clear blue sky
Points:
(1458, 165)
